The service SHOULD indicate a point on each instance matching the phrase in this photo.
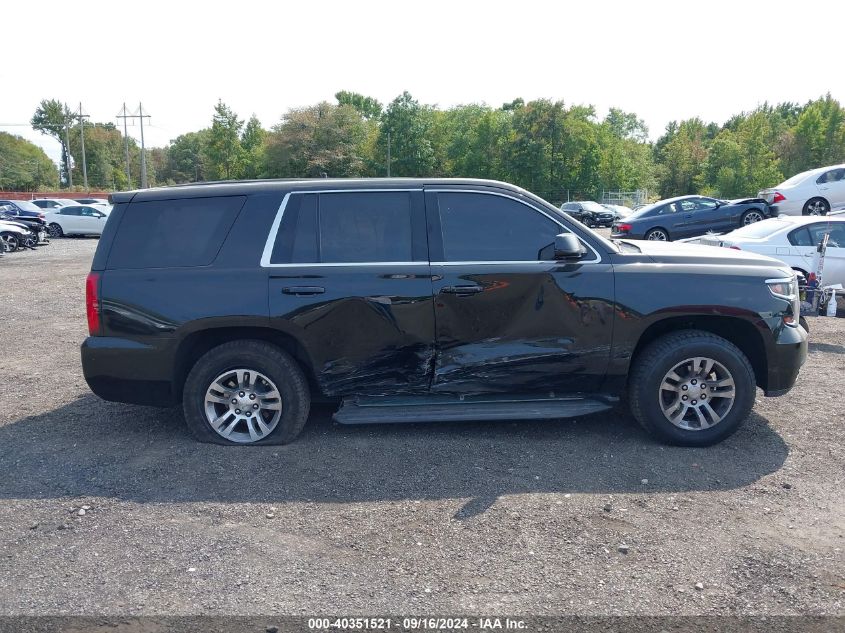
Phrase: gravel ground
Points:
(112, 509)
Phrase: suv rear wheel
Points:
(691, 388)
(246, 392)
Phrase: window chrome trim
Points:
(277, 222)
(533, 208)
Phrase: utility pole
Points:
(67, 145)
(124, 116)
(82, 118)
(143, 151)
(388, 153)
(139, 115)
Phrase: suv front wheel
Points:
(246, 392)
(691, 388)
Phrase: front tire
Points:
(55, 230)
(246, 392)
(11, 240)
(816, 206)
(691, 388)
(657, 235)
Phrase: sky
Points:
(662, 60)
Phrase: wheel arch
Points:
(738, 331)
(195, 344)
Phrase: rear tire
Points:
(816, 206)
(658, 235)
(270, 370)
(55, 230)
(652, 402)
(751, 216)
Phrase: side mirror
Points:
(568, 246)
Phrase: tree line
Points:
(557, 150)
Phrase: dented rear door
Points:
(349, 279)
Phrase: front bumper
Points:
(126, 370)
(785, 358)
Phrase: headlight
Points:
(786, 288)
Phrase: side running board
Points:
(389, 410)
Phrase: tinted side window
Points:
(168, 233)
(800, 237)
(837, 234)
(296, 240)
(365, 227)
(483, 227)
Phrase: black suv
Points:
(422, 300)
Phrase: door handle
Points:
(461, 290)
(301, 291)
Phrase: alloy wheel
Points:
(657, 235)
(817, 208)
(751, 217)
(243, 405)
(697, 393)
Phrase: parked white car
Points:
(51, 203)
(77, 220)
(12, 235)
(813, 192)
(792, 240)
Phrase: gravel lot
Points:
(112, 509)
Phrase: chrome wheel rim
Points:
(697, 393)
(817, 208)
(243, 405)
(752, 217)
(657, 236)
(54, 230)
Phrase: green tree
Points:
(50, 118)
(369, 107)
(186, 154)
(223, 151)
(24, 166)
(252, 143)
(319, 140)
(409, 126)
(682, 152)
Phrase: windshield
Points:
(23, 205)
(761, 229)
(593, 206)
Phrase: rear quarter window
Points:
(173, 233)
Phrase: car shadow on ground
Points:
(825, 347)
(92, 448)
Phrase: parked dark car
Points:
(589, 213)
(689, 216)
(22, 209)
(24, 217)
(410, 300)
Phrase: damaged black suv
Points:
(422, 300)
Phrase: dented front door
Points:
(509, 318)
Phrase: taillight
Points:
(41, 216)
(779, 197)
(736, 248)
(92, 303)
(623, 228)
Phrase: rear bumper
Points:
(785, 359)
(125, 370)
